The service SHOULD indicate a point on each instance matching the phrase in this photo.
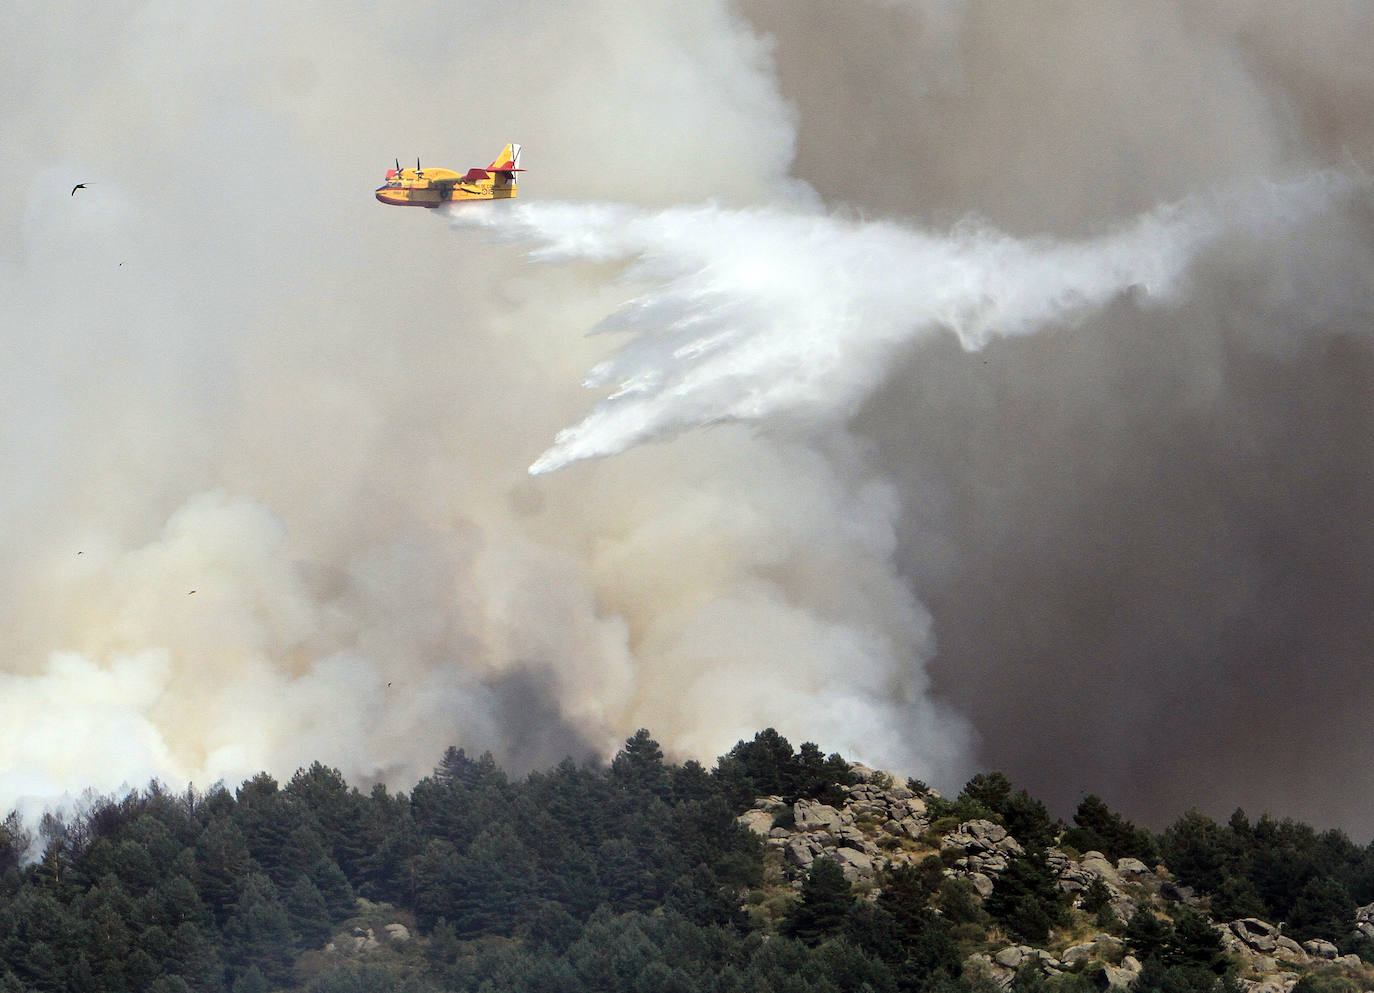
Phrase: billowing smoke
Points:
(268, 440)
(1006, 372)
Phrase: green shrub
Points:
(1327, 980)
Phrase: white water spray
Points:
(782, 314)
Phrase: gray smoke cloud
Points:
(1143, 537)
(1005, 372)
(266, 441)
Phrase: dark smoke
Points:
(1145, 540)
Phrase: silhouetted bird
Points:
(78, 186)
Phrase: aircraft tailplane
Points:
(507, 164)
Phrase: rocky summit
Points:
(881, 826)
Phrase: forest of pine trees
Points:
(630, 877)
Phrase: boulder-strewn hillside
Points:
(879, 826)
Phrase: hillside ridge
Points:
(779, 868)
(880, 826)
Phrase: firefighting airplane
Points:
(435, 187)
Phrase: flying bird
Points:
(78, 186)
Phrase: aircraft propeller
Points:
(418, 171)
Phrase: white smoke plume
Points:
(265, 440)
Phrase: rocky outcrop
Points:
(1364, 920)
(1116, 977)
(1319, 948)
(880, 825)
(1102, 947)
(758, 821)
(1095, 958)
(1274, 960)
(852, 835)
(1077, 875)
(988, 850)
(363, 940)
(1256, 936)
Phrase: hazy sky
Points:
(975, 386)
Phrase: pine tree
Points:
(1323, 909)
(1147, 934)
(14, 842)
(1027, 899)
(308, 914)
(1099, 828)
(258, 933)
(1196, 944)
(639, 765)
(826, 898)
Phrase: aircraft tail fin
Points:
(507, 163)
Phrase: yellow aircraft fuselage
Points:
(435, 187)
(407, 189)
